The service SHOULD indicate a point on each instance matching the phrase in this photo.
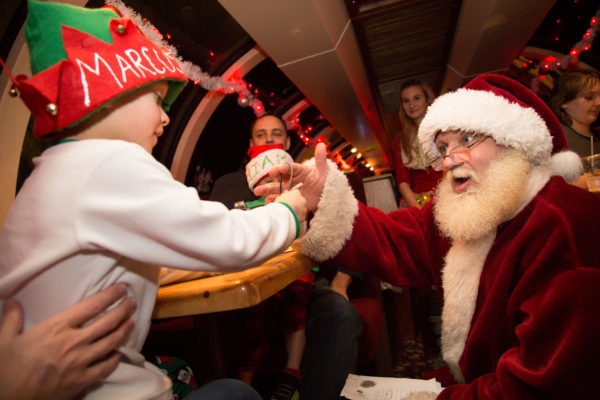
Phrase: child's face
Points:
(138, 118)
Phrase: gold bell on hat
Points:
(13, 92)
(52, 109)
(120, 29)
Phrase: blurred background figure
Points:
(415, 178)
(576, 102)
(413, 335)
(333, 324)
(283, 313)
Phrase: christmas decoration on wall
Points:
(191, 70)
(304, 133)
(247, 95)
(551, 63)
(572, 57)
(293, 124)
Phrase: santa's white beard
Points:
(493, 199)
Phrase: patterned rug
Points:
(415, 333)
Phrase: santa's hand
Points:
(312, 178)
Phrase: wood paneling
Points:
(401, 40)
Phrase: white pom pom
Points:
(566, 164)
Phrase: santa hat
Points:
(82, 59)
(262, 159)
(510, 113)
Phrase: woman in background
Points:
(415, 310)
(576, 102)
(415, 178)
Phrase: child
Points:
(98, 208)
(286, 310)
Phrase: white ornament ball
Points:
(243, 101)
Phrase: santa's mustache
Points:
(462, 173)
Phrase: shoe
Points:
(287, 388)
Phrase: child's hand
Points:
(271, 198)
(294, 199)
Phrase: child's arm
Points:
(296, 201)
(131, 206)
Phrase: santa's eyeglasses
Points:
(458, 154)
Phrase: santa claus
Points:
(510, 245)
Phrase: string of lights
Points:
(551, 63)
(192, 71)
(247, 96)
(572, 57)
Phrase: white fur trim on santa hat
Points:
(566, 164)
(333, 221)
(509, 124)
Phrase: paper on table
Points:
(359, 387)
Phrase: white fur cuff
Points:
(333, 221)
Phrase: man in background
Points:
(333, 325)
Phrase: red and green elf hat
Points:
(83, 59)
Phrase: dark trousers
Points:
(224, 389)
(331, 351)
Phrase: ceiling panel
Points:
(401, 40)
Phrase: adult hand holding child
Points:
(63, 355)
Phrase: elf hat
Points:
(82, 59)
(510, 113)
(262, 159)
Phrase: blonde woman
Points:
(415, 178)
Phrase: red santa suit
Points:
(533, 331)
(519, 317)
